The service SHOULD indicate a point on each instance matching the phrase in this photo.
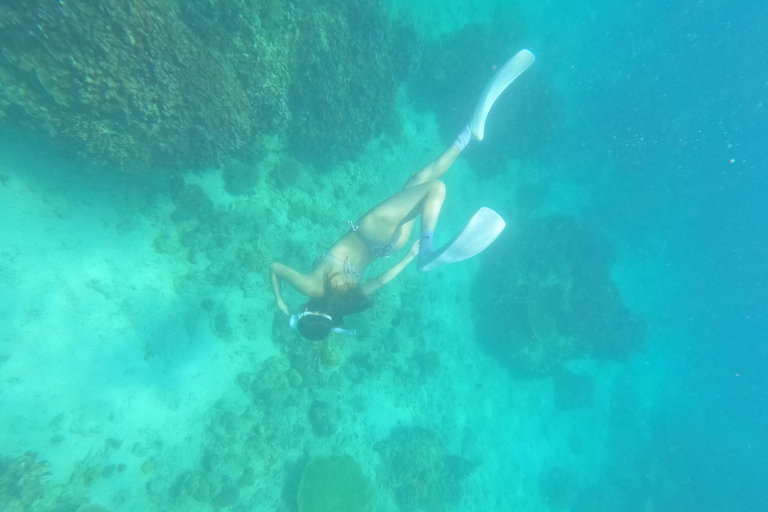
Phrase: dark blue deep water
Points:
(690, 79)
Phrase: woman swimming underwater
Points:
(334, 286)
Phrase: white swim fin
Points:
(481, 230)
(503, 77)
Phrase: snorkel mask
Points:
(293, 321)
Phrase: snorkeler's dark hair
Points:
(336, 302)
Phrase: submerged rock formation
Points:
(551, 299)
(142, 84)
(418, 469)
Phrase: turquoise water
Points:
(606, 353)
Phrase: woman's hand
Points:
(377, 282)
(414, 250)
(273, 268)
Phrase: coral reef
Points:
(334, 484)
(25, 487)
(419, 470)
(286, 172)
(191, 203)
(551, 299)
(324, 418)
(227, 237)
(343, 92)
(240, 179)
(453, 73)
(242, 458)
(154, 83)
(272, 383)
(126, 83)
(23, 481)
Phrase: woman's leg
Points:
(422, 195)
(395, 215)
(434, 170)
(431, 208)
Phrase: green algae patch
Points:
(334, 484)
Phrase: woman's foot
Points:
(425, 247)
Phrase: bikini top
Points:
(347, 268)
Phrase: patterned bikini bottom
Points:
(379, 250)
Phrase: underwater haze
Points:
(608, 352)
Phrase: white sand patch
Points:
(96, 343)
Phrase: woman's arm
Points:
(302, 283)
(377, 282)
